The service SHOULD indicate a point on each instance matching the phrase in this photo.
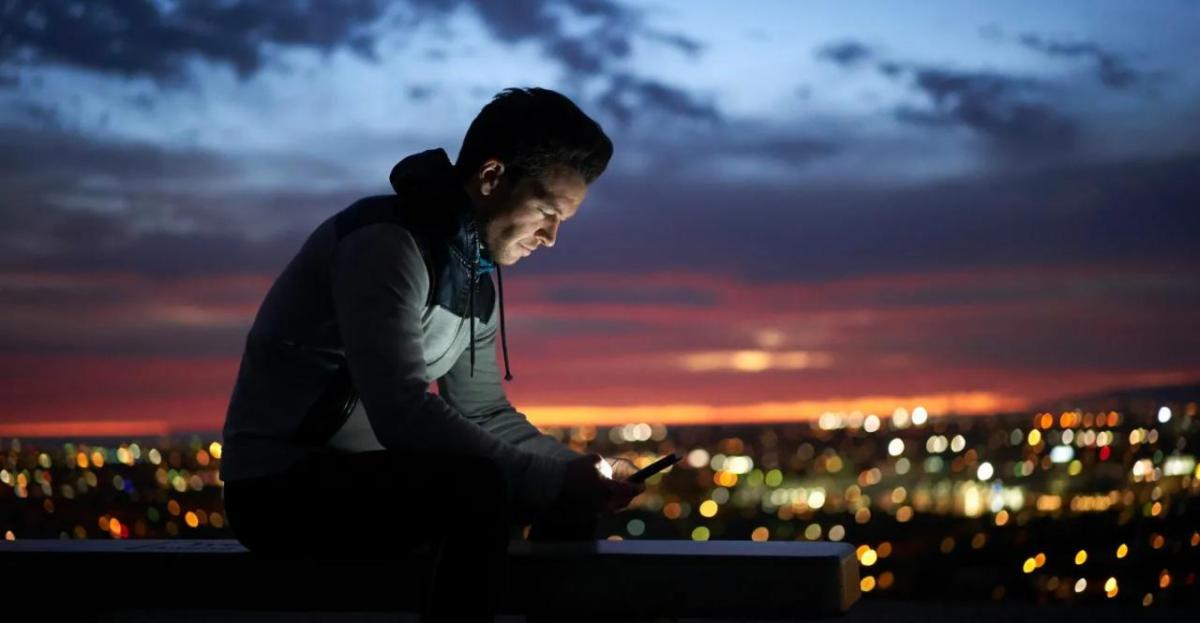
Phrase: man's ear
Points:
(491, 174)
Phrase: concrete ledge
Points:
(628, 579)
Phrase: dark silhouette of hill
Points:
(1137, 399)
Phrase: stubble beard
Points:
(504, 252)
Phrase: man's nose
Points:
(549, 233)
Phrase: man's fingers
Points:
(623, 468)
(619, 488)
(619, 502)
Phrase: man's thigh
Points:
(379, 501)
(387, 488)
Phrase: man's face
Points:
(522, 218)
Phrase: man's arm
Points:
(482, 400)
(379, 289)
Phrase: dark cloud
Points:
(599, 52)
(75, 203)
(36, 114)
(1055, 334)
(680, 42)
(1001, 108)
(628, 94)
(946, 85)
(421, 92)
(845, 53)
(890, 69)
(40, 313)
(599, 8)
(64, 240)
(630, 294)
(1112, 70)
(789, 150)
(550, 328)
(517, 21)
(157, 39)
(178, 254)
(55, 156)
(1127, 212)
(580, 55)
(713, 148)
(1060, 345)
(1011, 112)
(997, 287)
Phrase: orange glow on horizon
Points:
(125, 428)
(968, 403)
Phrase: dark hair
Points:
(531, 130)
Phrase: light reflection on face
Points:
(521, 219)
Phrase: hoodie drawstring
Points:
(471, 313)
(473, 240)
(503, 337)
(503, 331)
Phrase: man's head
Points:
(526, 162)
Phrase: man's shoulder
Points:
(423, 224)
(364, 212)
(380, 227)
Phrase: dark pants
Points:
(390, 504)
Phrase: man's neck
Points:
(477, 201)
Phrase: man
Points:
(333, 441)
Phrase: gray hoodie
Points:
(382, 299)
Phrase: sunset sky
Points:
(812, 206)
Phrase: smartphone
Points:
(642, 474)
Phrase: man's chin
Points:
(507, 260)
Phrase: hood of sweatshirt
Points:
(425, 171)
(430, 175)
(428, 178)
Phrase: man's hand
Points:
(622, 468)
(585, 490)
(585, 494)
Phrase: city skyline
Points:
(1087, 505)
